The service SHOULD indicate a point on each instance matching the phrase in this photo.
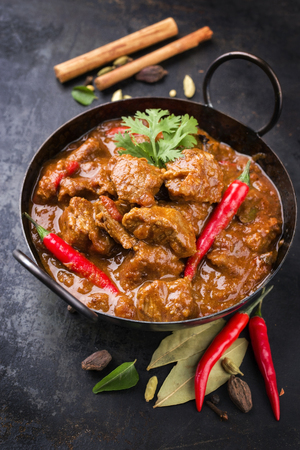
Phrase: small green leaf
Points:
(123, 377)
(83, 95)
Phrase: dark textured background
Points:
(46, 399)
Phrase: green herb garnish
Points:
(123, 377)
(83, 95)
(177, 134)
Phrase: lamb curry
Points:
(139, 223)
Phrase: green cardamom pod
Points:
(230, 367)
(105, 70)
(189, 87)
(151, 388)
(117, 95)
(121, 61)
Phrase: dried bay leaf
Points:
(179, 388)
(184, 343)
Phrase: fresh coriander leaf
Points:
(83, 95)
(171, 155)
(142, 150)
(123, 377)
(177, 134)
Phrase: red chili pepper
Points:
(227, 163)
(122, 130)
(111, 208)
(73, 259)
(262, 352)
(58, 175)
(232, 199)
(116, 130)
(219, 345)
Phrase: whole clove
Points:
(222, 414)
(151, 74)
(97, 361)
(240, 394)
(215, 399)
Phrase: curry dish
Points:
(139, 224)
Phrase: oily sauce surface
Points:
(163, 213)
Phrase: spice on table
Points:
(151, 74)
(262, 352)
(88, 80)
(219, 345)
(153, 58)
(71, 309)
(222, 414)
(172, 93)
(151, 388)
(281, 392)
(189, 86)
(73, 259)
(240, 393)
(122, 60)
(128, 44)
(104, 70)
(230, 367)
(117, 95)
(215, 399)
(222, 215)
(97, 361)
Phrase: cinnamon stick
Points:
(176, 47)
(109, 52)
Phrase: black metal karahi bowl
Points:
(219, 126)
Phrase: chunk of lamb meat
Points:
(115, 229)
(164, 226)
(260, 234)
(87, 151)
(148, 262)
(49, 183)
(195, 213)
(98, 184)
(195, 177)
(78, 228)
(135, 180)
(166, 301)
(229, 253)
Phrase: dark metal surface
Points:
(220, 126)
(46, 398)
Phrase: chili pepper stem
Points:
(41, 231)
(258, 311)
(245, 176)
(248, 310)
